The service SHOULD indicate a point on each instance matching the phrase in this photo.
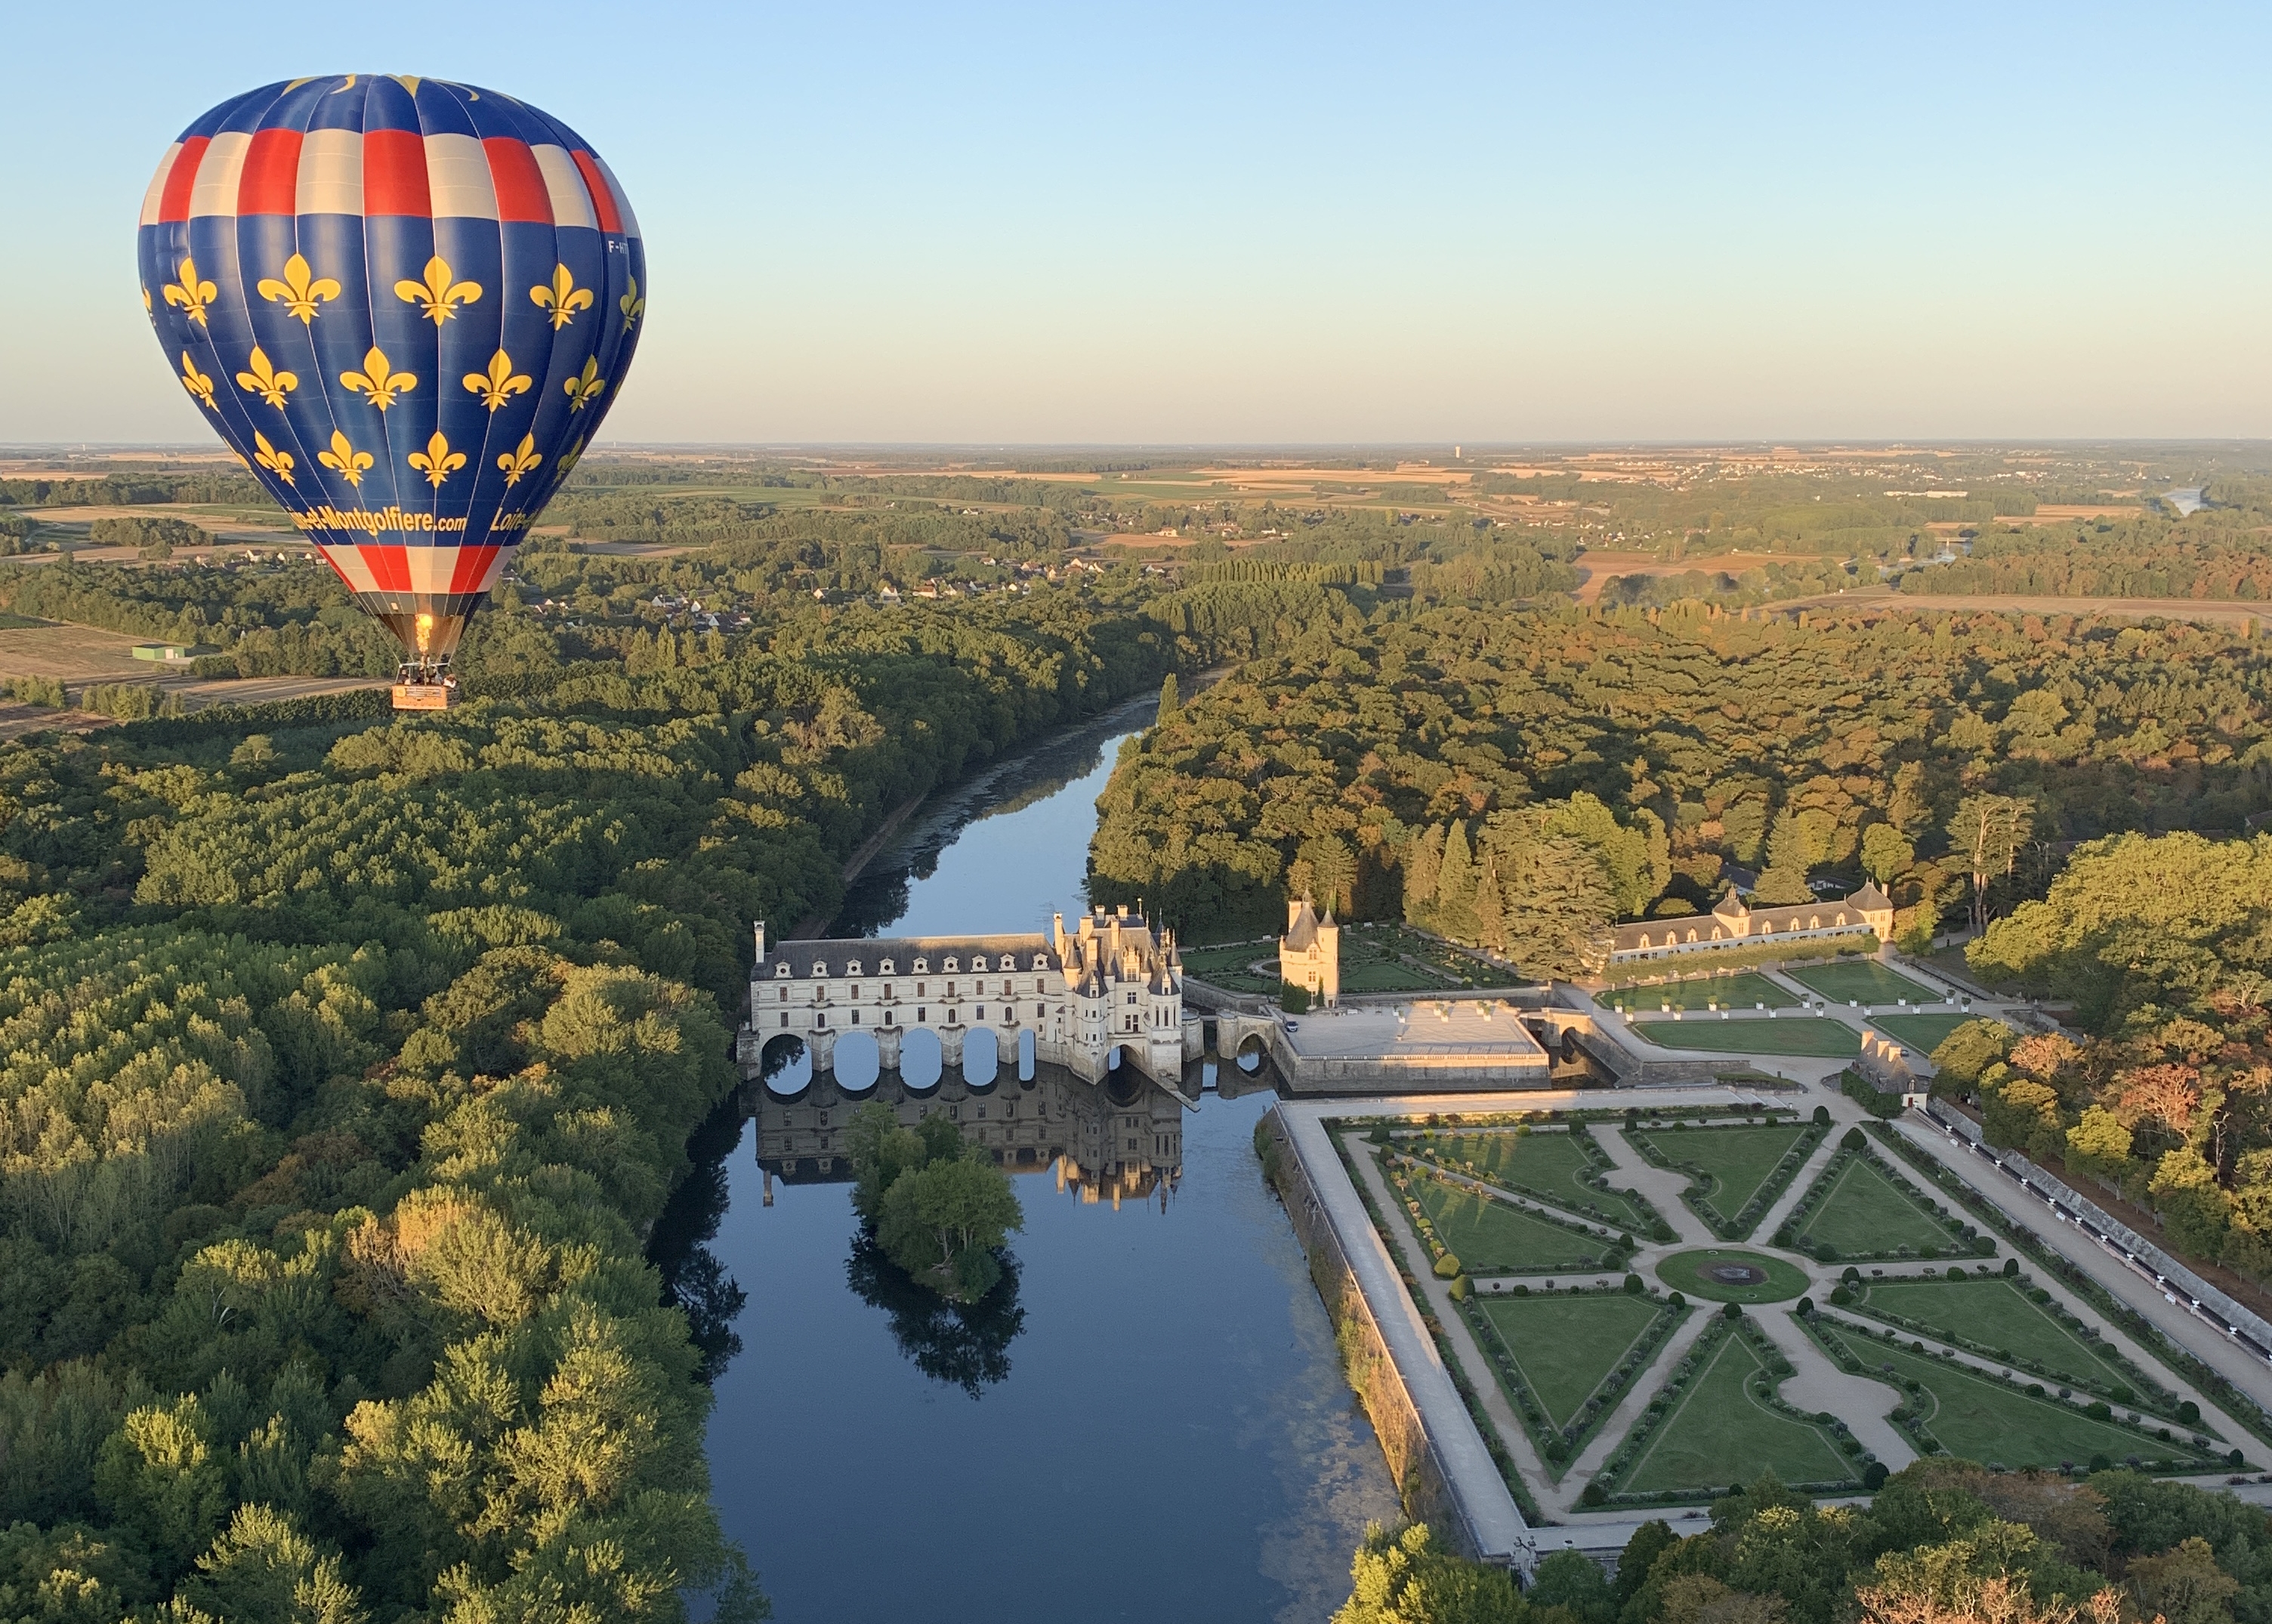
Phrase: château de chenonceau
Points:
(1107, 992)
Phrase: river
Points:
(1150, 1422)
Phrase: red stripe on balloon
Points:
(394, 175)
(519, 183)
(269, 183)
(473, 566)
(389, 569)
(174, 205)
(611, 218)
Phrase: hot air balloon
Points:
(406, 304)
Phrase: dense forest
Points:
(1944, 1542)
(2164, 946)
(348, 1062)
(1521, 779)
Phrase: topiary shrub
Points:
(1447, 1266)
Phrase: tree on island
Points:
(940, 1209)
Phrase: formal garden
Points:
(1948, 1404)
(1565, 1167)
(1860, 1207)
(1564, 1358)
(1735, 1171)
(1718, 1421)
(1799, 1036)
(1863, 981)
(1742, 990)
(1486, 1235)
(1923, 1033)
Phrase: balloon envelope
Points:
(406, 304)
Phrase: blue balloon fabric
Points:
(406, 304)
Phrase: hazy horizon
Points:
(1250, 228)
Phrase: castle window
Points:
(1841, 918)
(885, 967)
(781, 970)
(1716, 932)
(919, 985)
(1692, 937)
(784, 995)
(1644, 939)
(853, 969)
(922, 965)
(978, 960)
(949, 965)
(1814, 922)
(819, 967)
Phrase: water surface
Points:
(1151, 1424)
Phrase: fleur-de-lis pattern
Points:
(298, 298)
(563, 298)
(262, 378)
(585, 387)
(299, 289)
(500, 383)
(440, 295)
(198, 383)
(437, 461)
(345, 461)
(281, 463)
(520, 461)
(379, 382)
(191, 293)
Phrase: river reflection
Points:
(1162, 1428)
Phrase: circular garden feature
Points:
(1731, 1275)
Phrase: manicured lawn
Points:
(1981, 1419)
(1924, 1033)
(1491, 1237)
(1229, 967)
(1550, 1165)
(1691, 1273)
(1863, 981)
(1741, 992)
(1388, 976)
(1739, 1160)
(1995, 1314)
(1721, 1435)
(1801, 1034)
(1865, 1214)
(1565, 1344)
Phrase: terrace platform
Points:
(1415, 1047)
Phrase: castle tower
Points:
(1310, 953)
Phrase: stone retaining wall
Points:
(1365, 1359)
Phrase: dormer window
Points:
(1041, 960)
(978, 960)
(819, 967)
(852, 968)
(950, 964)
(781, 970)
(922, 965)
(885, 968)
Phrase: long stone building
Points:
(1108, 992)
(1867, 912)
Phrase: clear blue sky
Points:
(1305, 223)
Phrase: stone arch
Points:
(856, 1061)
(981, 1058)
(922, 1062)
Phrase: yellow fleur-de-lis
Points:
(191, 293)
(633, 304)
(378, 381)
(499, 384)
(568, 460)
(345, 461)
(437, 461)
(563, 298)
(301, 289)
(280, 463)
(265, 381)
(520, 461)
(145, 300)
(439, 294)
(585, 387)
(196, 382)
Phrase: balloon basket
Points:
(425, 695)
